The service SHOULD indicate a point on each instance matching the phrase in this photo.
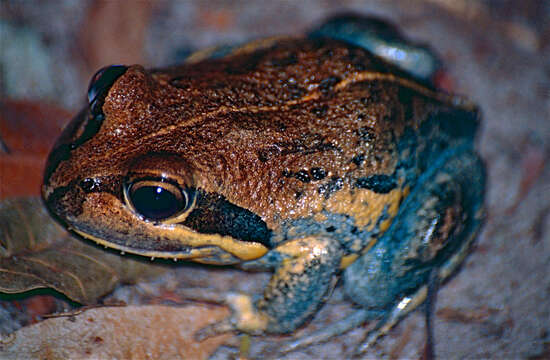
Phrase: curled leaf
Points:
(36, 252)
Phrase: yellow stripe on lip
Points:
(242, 250)
(194, 253)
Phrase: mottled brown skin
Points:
(283, 129)
(238, 124)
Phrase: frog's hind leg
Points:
(427, 242)
(409, 303)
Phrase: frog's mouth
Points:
(205, 254)
(215, 250)
(104, 219)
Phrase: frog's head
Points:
(121, 175)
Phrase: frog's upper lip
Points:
(183, 253)
(204, 253)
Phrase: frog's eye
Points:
(157, 199)
(101, 83)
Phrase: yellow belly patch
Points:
(365, 206)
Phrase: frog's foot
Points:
(244, 316)
(352, 321)
(385, 323)
(404, 307)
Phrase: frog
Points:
(311, 157)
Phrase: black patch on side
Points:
(327, 84)
(318, 173)
(454, 123)
(405, 96)
(303, 176)
(358, 159)
(334, 184)
(458, 123)
(445, 128)
(213, 214)
(381, 184)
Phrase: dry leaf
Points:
(27, 132)
(133, 332)
(36, 252)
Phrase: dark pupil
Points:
(156, 203)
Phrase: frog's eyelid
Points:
(103, 79)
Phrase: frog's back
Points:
(302, 118)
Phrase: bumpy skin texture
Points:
(297, 154)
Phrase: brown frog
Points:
(310, 157)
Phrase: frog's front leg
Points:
(304, 276)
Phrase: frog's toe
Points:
(392, 317)
(371, 338)
(348, 323)
(217, 328)
(245, 317)
(205, 295)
